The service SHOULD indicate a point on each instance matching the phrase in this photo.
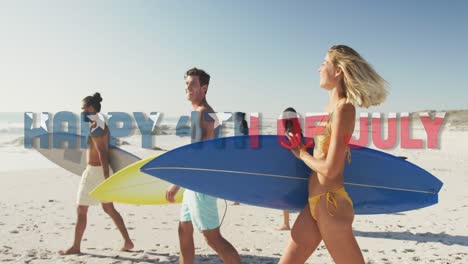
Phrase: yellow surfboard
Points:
(130, 186)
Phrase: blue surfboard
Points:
(270, 176)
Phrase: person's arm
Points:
(100, 143)
(207, 128)
(172, 192)
(206, 125)
(342, 129)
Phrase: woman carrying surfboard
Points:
(350, 81)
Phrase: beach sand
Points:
(37, 216)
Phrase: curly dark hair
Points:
(94, 100)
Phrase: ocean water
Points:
(11, 123)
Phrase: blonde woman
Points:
(350, 81)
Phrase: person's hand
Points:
(296, 140)
(295, 144)
(171, 193)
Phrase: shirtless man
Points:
(96, 171)
(198, 209)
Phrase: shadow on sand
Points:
(418, 237)
(165, 258)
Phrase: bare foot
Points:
(70, 251)
(128, 245)
(283, 228)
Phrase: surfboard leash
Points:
(225, 211)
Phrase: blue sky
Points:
(262, 55)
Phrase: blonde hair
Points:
(362, 85)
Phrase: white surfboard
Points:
(74, 159)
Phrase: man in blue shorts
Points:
(198, 209)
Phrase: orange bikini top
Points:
(323, 140)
